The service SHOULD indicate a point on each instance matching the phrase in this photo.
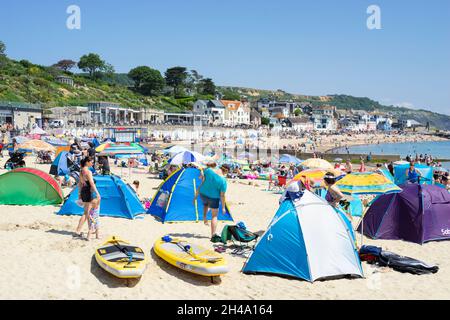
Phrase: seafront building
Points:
(20, 115)
(301, 117)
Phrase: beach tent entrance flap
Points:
(173, 202)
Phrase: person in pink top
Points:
(362, 167)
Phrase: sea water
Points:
(438, 149)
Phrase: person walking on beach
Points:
(212, 192)
(87, 193)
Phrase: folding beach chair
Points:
(240, 237)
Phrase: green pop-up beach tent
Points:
(29, 187)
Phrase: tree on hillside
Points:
(153, 82)
(138, 74)
(208, 86)
(65, 65)
(2, 54)
(147, 81)
(175, 78)
(2, 48)
(297, 112)
(93, 64)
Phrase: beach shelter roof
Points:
(112, 149)
(401, 176)
(419, 213)
(359, 183)
(118, 199)
(287, 158)
(31, 187)
(173, 202)
(306, 239)
(60, 166)
(317, 163)
(187, 157)
(401, 162)
(37, 145)
(38, 131)
(55, 141)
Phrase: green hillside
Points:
(23, 81)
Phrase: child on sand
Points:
(94, 220)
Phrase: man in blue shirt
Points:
(212, 192)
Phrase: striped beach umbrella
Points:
(187, 157)
(363, 183)
(366, 183)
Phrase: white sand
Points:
(40, 260)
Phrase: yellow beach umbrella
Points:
(317, 163)
(362, 183)
(317, 175)
(37, 145)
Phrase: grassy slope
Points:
(24, 82)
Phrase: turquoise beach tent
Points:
(306, 239)
(173, 202)
(118, 199)
(425, 171)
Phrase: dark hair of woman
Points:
(85, 161)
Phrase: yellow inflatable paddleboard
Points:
(121, 259)
(190, 257)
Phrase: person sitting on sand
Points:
(362, 167)
(348, 166)
(103, 164)
(212, 192)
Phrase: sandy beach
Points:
(40, 260)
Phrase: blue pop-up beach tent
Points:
(60, 166)
(173, 201)
(401, 177)
(306, 239)
(118, 199)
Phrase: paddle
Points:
(123, 250)
(188, 250)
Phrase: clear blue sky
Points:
(314, 47)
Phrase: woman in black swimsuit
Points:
(87, 191)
